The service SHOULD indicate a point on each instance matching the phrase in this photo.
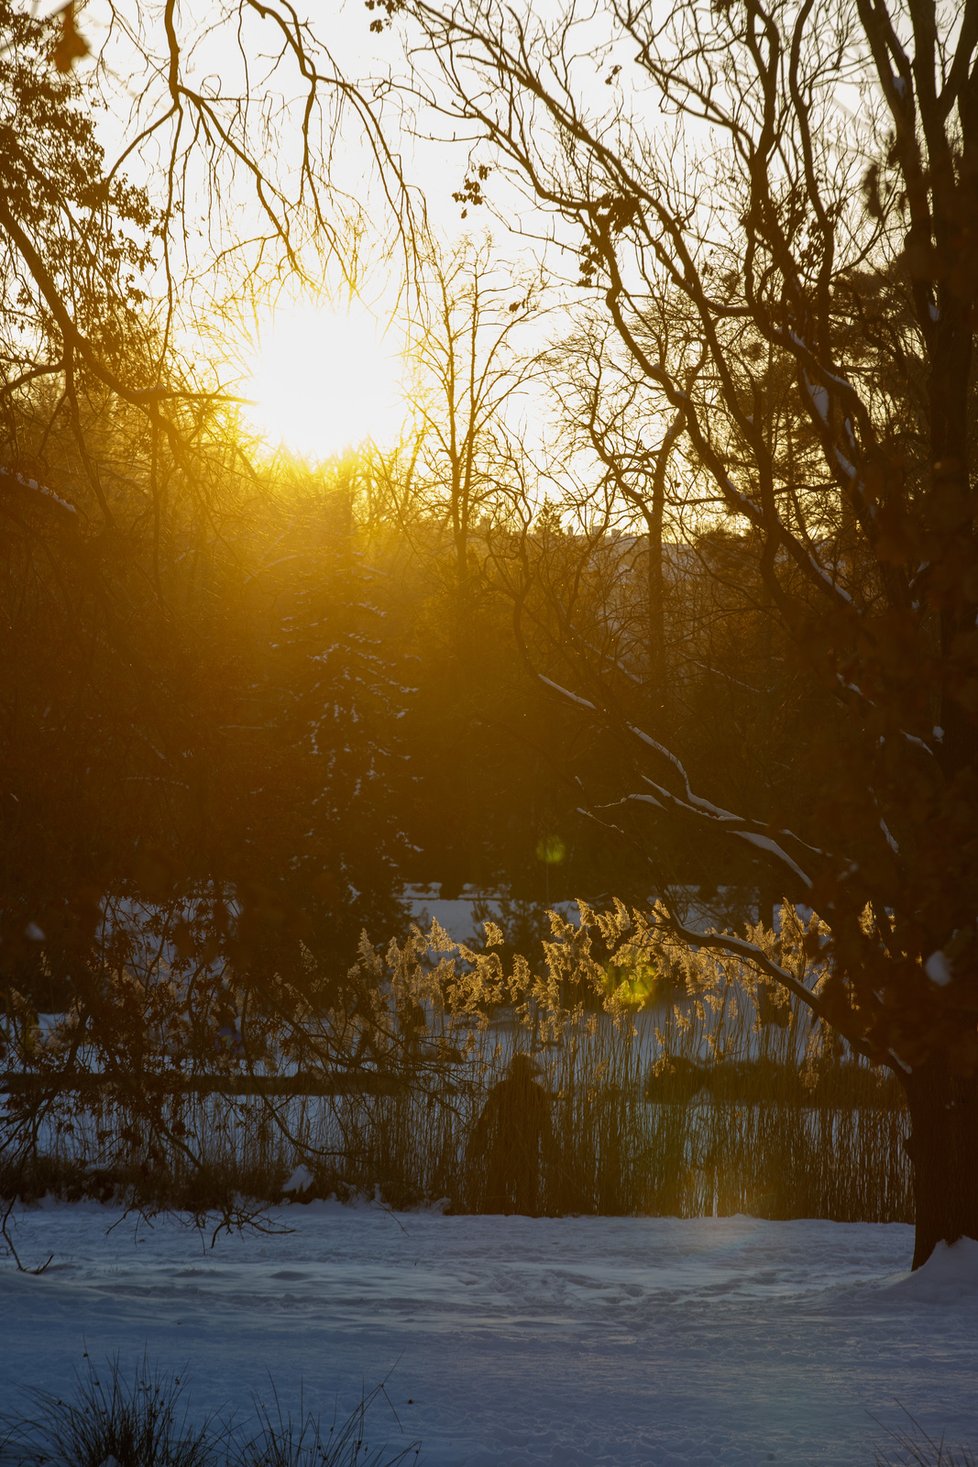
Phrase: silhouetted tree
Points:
(804, 236)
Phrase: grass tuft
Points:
(141, 1422)
(112, 1421)
(914, 1447)
(283, 1441)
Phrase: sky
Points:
(273, 322)
(312, 336)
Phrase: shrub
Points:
(137, 1423)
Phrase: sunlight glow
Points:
(325, 381)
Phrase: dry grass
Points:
(717, 1096)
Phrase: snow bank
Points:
(949, 1277)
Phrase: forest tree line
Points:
(272, 693)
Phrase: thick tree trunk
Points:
(943, 1148)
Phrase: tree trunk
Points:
(943, 1148)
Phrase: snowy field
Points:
(572, 1342)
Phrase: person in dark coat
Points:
(512, 1141)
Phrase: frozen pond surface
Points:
(632, 1342)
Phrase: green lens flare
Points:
(551, 850)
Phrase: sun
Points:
(324, 382)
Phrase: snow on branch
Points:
(765, 843)
(822, 386)
(913, 739)
(566, 693)
(734, 825)
(825, 374)
(33, 486)
(696, 804)
(673, 759)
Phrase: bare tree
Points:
(127, 239)
(804, 180)
(606, 416)
(469, 377)
(233, 136)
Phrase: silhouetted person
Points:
(227, 1038)
(512, 1139)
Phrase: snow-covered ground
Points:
(572, 1342)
